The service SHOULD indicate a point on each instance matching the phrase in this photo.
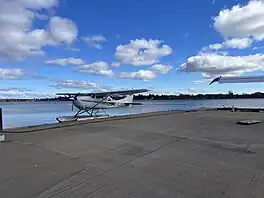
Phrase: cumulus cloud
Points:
(142, 52)
(26, 95)
(242, 21)
(39, 4)
(196, 91)
(163, 69)
(66, 61)
(39, 95)
(240, 26)
(95, 41)
(19, 93)
(191, 91)
(14, 89)
(216, 46)
(200, 81)
(236, 43)
(144, 75)
(63, 30)
(211, 65)
(115, 64)
(73, 49)
(18, 37)
(11, 73)
(75, 84)
(239, 43)
(98, 68)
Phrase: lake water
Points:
(17, 114)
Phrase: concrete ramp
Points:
(178, 154)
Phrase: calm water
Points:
(32, 113)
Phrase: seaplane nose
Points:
(76, 103)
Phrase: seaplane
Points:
(238, 79)
(97, 102)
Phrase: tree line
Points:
(229, 95)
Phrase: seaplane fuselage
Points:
(87, 102)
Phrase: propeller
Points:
(74, 98)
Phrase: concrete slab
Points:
(179, 154)
(27, 170)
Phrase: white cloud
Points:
(18, 37)
(25, 95)
(196, 91)
(11, 73)
(144, 75)
(237, 43)
(39, 4)
(190, 91)
(42, 17)
(66, 61)
(73, 49)
(99, 68)
(96, 38)
(216, 46)
(115, 64)
(242, 21)
(200, 81)
(14, 89)
(95, 41)
(159, 92)
(39, 95)
(211, 65)
(75, 84)
(142, 52)
(18, 92)
(163, 69)
(63, 30)
(18, 44)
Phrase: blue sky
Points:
(168, 46)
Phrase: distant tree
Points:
(230, 93)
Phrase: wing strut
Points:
(91, 111)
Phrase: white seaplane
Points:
(94, 103)
(238, 79)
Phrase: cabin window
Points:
(118, 97)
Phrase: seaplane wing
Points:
(238, 79)
(107, 93)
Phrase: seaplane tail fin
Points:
(128, 99)
(215, 80)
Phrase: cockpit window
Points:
(118, 97)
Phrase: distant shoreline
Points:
(230, 95)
